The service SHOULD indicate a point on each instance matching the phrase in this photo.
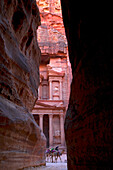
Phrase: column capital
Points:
(50, 115)
(60, 80)
(41, 115)
(61, 115)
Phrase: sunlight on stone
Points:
(55, 74)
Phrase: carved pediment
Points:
(55, 71)
(48, 105)
(42, 105)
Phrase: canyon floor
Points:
(53, 166)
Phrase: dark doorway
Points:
(36, 117)
(46, 128)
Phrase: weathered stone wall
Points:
(88, 124)
(21, 142)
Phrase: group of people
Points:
(54, 149)
(53, 152)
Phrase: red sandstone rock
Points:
(88, 124)
(51, 33)
(21, 142)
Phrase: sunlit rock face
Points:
(88, 124)
(21, 142)
(51, 33)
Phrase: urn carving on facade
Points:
(57, 133)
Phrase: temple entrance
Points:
(46, 128)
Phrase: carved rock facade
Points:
(55, 74)
(88, 124)
(22, 143)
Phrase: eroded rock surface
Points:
(51, 33)
(21, 142)
(88, 124)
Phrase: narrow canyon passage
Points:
(55, 74)
(39, 109)
(34, 83)
(55, 79)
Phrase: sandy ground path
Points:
(53, 166)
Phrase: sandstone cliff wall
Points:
(21, 142)
(51, 34)
(88, 124)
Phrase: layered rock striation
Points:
(22, 143)
(88, 124)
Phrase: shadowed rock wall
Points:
(21, 142)
(88, 123)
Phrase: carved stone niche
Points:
(45, 89)
(56, 90)
(57, 137)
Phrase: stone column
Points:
(41, 122)
(40, 89)
(62, 130)
(51, 130)
(60, 90)
(50, 89)
(39, 92)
